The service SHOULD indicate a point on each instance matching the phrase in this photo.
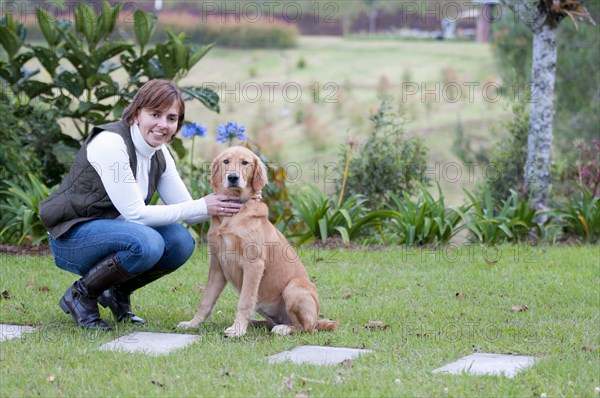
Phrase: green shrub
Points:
(241, 33)
(277, 197)
(79, 58)
(21, 223)
(321, 217)
(388, 162)
(33, 143)
(80, 90)
(16, 157)
(424, 221)
(581, 216)
(513, 220)
(507, 159)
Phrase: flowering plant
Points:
(191, 130)
(229, 132)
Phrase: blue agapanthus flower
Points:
(190, 130)
(230, 131)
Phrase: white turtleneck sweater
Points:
(107, 152)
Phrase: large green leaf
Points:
(206, 96)
(107, 67)
(167, 61)
(111, 15)
(34, 88)
(78, 58)
(344, 233)
(9, 41)
(196, 54)
(70, 81)
(86, 22)
(106, 21)
(179, 51)
(106, 91)
(109, 50)
(5, 71)
(21, 59)
(86, 106)
(323, 229)
(26, 73)
(143, 26)
(119, 107)
(347, 217)
(47, 58)
(47, 26)
(177, 146)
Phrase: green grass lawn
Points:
(438, 305)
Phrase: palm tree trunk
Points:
(539, 141)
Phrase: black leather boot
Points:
(117, 298)
(81, 299)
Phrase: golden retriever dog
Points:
(247, 251)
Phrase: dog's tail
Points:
(326, 324)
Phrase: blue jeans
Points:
(139, 247)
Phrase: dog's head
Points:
(238, 171)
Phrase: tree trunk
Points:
(539, 141)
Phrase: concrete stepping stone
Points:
(317, 355)
(488, 364)
(8, 332)
(150, 343)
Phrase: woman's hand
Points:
(222, 205)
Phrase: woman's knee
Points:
(179, 245)
(144, 251)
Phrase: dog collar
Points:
(241, 202)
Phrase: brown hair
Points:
(157, 95)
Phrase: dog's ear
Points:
(216, 179)
(259, 179)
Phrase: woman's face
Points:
(157, 127)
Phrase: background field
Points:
(305, 127)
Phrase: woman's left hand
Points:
(222, 205)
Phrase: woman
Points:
(100, 222)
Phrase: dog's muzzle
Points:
(233, 180)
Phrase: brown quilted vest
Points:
(81, 196)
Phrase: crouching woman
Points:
(102, 226)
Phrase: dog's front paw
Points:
(187, 325)
(236, 330)
(282, 330)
